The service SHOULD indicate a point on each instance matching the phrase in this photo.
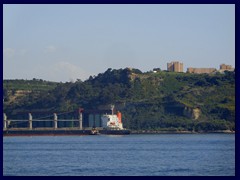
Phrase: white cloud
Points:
(68, 72)
(23, 52)
(8, 52)
(50, 49)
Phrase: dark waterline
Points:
(109, 155)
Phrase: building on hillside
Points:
(224, 67)
(201, 70)
(175, 66)
(155, 70)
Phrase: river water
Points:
(126, 155)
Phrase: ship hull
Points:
(115, 132)
(59, 132)
(45, 132)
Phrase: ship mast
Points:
(112, 108)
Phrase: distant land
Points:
(150, 101)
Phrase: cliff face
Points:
(147, 100)
(196, 113)
(193, 113)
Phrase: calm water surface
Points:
(132, 155)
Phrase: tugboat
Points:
(94, 131)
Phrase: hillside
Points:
(148, 101)
(17, 91)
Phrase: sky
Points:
(64, 43)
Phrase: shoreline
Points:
(87, 132)
(182, 132)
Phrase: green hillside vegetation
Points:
(148, 101)
(29, 85)
(15, 92)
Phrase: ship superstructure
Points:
(113, 121)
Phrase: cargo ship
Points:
(111, 124)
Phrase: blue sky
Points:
(69, 42)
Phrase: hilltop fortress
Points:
(176, 66)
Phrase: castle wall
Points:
(201, 70)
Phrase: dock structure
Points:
(4, 121)
(80, 118)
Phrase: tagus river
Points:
(128, 155)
